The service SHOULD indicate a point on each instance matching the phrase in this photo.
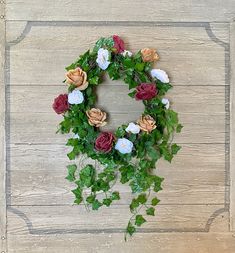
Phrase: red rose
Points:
(146, 91)
(118, 44)
(61, 104)
(104, 142)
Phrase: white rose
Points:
(160, 75)
(127, 53)
(75, 97)
(166, 102)
(103, 58)
(124, 146)
(133, 128)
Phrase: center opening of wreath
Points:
(112, 97)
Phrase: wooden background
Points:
(196, 43)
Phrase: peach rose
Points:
(78, 77)
(146, 123)
(149, 55)
(96, 117)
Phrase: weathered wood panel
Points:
(106, 243)
(41, 127)
(232, 129)
(113, 97)
(195, 184)
(121, 10)
(2, 134)
(201, 111)
(77, 218)
(196, 176)
(48, 49)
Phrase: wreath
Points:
(130, 153)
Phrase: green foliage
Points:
(87, 175)
(71, 172)
(155, 201)
(139, 220)
(150, 211)
(130, 229)
(93, 188)
(103, 42)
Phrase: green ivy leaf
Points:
(139, 220)
(71, 172)
(96, 204)
(139, 66)
(87, 175)
(71, 66)
(113, 71)
(90, 199)
(78, 200)
(107, 201)
(132, 94)
(157, 183)
(94, 80)
(155, 201)
(142, 198)
(175, 148)
(115, 196)
(179, 128)
(130, 229)
(150, 211)
(120, 132)
(128, 63)
(153, 153)
(71, 155)
(104, 42)
(78, 195)
(134, 204)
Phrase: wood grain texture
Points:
(185, 52)
(201, 111)
(2, 137)
(106, 243)
(196, 176)
(121, 10)
(69, 219)
(196, 183)
(232, 128)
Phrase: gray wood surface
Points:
(106, 243)
(196, 176)
(195, 40)
(188, 52)
(192, 10)
(232, 130)
(2, 134)
(76, 219)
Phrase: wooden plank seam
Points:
(207, 27)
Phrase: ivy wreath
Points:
(130, 153)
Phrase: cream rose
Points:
(96, 117)
(77, 77)
(146, 123)
(149, 55)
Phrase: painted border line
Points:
(211, 35)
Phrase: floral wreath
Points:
(131, 152)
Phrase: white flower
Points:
(75, 97)
(166, 102)
(160, 75)
(103, 58)
(124, 146)
(76, 136)
(133, 128)
(127, 53)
